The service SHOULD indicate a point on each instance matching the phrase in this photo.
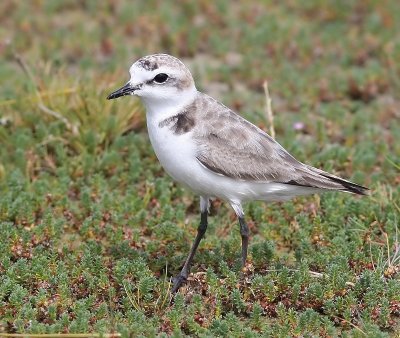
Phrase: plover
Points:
(215, 152)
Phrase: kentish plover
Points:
(216, 153)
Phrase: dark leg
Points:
(244, 231)
(201, 230)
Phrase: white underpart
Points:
(177, 154)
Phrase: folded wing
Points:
(233, 147)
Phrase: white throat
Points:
(164, 107)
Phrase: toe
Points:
(178, 282)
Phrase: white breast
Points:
(176, 153)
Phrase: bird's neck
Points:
(162, 108)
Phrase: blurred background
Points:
(80, 183)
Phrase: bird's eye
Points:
(161, 78)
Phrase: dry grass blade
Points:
(163, 300)
(268, 109)
(166, 287)
(43, 94)
(24, 66)
(351, 324)
(131, 298)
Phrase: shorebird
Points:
(215, 152)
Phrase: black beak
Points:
(128, 89)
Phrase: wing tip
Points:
(350, 186)
(346, 186)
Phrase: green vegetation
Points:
(92, 229)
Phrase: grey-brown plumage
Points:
(231, 146)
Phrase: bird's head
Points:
(157, 78)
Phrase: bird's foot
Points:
(178, 282)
